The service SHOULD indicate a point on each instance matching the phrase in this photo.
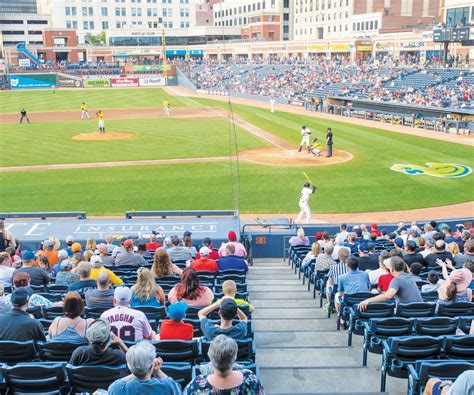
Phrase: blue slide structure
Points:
(21, 48)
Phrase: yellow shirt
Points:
(100, 115)
(316, 145)
(113, 277)
(83, 107)
(166, 103)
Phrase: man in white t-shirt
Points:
(128, 324)
(306, 192)
(6, 271)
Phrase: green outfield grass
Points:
(45, 100)
(50, 142)
(364, 184)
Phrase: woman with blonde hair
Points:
(91, 244)
(300, 239)
(188, 242)
(162, 265)
(146, 292)
(458, 257)
(311, 255)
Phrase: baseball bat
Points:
(306, 176)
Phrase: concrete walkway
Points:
(299, 350)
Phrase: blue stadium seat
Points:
(53, 312)
(435, 326)
(459, 347)
(37, 378)
(55, 351)
(177, 350)
(153, 313)
(12, 352)
(246, 350)
(348, 301)
(181, 372)
(92, 378)
(357, 318)
(415, 310)
(456, 309)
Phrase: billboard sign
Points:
(65, 82)
(24, 62)
(123, 82)
(32, 81)
(102, 83)
(153, 81)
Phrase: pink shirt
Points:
(204, 300)
(128, 324)
(239, 249)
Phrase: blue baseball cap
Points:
(364, 248)
(28, 255)
(399, 242)
(177, 310)
(19, 297)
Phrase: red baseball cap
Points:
(232, 236)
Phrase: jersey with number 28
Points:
(128, 324)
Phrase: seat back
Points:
(429, 296)
(177, 350)
(34, 377)
(94, 312)
(57, 288)
(456, 309)
(436, 326)
(14, 352)
(53, 312)
(168, 279)
(92, 378)
(57, 351)
(444, 370)
(459, 347)
(232, 271)
(375, 310)
(414, 310)
(353, 299)
(182, 373)
(238, 278)
(413, 348)
(153, 313)
(246, 349)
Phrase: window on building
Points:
(104, 11)
(457, 16)
(376, 25)
(105, 25)
(124, 11)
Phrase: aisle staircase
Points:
(299, 350)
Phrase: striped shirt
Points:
(337, 270)
(323, 262)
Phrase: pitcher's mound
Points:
(279, 157)
(103, 136)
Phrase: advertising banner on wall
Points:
(153, 81)
(124, 82)
(65, 82)
(32, 81)
(102, 83)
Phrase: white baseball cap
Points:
(204, 251)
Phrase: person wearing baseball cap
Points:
(37, 276)
(121, 316)
(66, 276)
(98, 352)
(228, 310)
(17, 325)
(207, 242)
(179, 252)
(128, 257)
(367, 261)
(204, 263)
(49, 252)
(175, 328)
(152, 244)
(239, 247)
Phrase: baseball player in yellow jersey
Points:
(316, 147)
(100, 116)
(167, 107)
(84, 112)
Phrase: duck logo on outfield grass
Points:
(443, 170)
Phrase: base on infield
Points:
(279, 157)
(103, 136)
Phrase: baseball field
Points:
(195, 158)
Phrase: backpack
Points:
(4, 243)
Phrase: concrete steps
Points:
(299, 350)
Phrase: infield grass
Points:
(364, 184)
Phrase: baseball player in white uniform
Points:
(272, 104)
(306, 192)
(305, 135)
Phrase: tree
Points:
(96, 39)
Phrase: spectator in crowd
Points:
(190, 291)
(463, 385)
(147, 378)
(16, 324)
(300, 239)
(403, 286)
(109, 241)
(229, 289)
(4, 306)
(352, 243)
(456, 288)
(7, 236)
(354, 281)
(239, 247)
(398, 245)
(85, 281)
(228, 310)
(337, 270)
(66, 276)
(118, 249)
(97, 268)
(367, 261)
(223, 354)
(188, 242)
(130, 324)
(91, 244)
(152, 244)
(128, 257)
(69, 242)
(22, 280)
(324, 261)
(375, 230)
(146, 292)
(440, 253)
(166, 244)
(99, 352)
(415, 270)
(107, 260)
(411, 255)
(469, 264)
(6, 271)
(429, 248)
(465, 236)
(49, 252)
(374, 275)
(428, 232)
(38, 276)
(311, 256)
(343, 233)
(71, 328)
(101, 297)
(385, 279)
(433, 282)
(62, 256)
(339, 243)
(175, 328)
(458, 257)
(207, 242)
(204, 264)
(231, 261)
(141, 250)
(162, 265)
(43, 263)
(178, 252)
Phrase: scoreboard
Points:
(451, 34)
